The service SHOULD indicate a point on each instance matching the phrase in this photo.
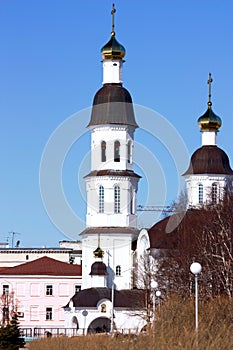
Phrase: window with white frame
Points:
(117, 199)
(49, 289)
(101, 199)
(200, 194)
(49, 313)
(118, 270)
(214, 193)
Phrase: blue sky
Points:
(50, 68)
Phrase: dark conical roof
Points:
(112, 105)
(209, 160)
(98, 268)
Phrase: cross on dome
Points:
(209, 82)
(113, 25)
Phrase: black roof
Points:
(209, 160)
(112, 105)
(127, 298)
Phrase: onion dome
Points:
(209, 160)
(113, 50)
(98, 268)
(104, 111)
(209, 121)
(98, 253)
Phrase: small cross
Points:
(112, 13)
(209, 81)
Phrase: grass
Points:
(174, 329)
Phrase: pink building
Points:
(38, 291)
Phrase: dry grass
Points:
(174, 330)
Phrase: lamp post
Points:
(112, 315)
(158, 294)
(154, 285)
(195, 268)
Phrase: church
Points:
(109, 300)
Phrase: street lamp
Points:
(195, 268)
(154, 285)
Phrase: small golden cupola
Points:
(113, 50)
(98, 253)
(209, 121)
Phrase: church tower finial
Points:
(209, 82)
(113, 24)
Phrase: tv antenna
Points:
(13, 233)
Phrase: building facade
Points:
(37, 292)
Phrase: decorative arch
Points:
(143, 242)
(99, 325)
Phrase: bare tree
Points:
(204, 235)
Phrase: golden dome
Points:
(209, 121)
(113, 49)
(98, 253)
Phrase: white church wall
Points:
(117, 250)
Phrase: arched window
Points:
(103, 151)
(129, 152)
(200, 194)
(214, 193)
(131, 201)
(101, 199)
(117, 151)
(116, 199)
(118, 270)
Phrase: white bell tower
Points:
(112, 184)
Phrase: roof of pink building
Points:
(44, 266)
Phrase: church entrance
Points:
(99, 325)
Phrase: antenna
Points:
(13, 236)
